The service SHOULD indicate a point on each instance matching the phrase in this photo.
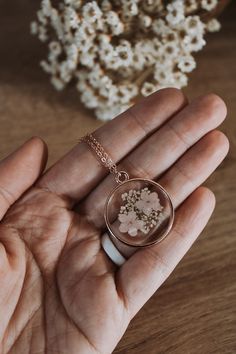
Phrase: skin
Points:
(59, 292)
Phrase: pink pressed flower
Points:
(130, 224)
(149, 202)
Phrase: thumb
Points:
(20, 170)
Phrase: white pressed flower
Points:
(213, 25)
(209, 4)
(186, 64)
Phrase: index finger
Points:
(79, 171)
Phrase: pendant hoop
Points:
(138, 213)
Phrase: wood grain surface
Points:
(195, 310)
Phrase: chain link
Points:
(106, 160)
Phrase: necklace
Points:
(138, 211)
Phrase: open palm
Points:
(59, 292)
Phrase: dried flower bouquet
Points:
(116, 50)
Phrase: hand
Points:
(59, 292)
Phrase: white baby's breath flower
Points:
(118, 50)
(193, 43)
(213, 25)
(42, 34)
(159, 26)
(209, 4)
(47, 67)
(34, 28)
(91, 12)
(175, 12)
(186, 64)
(148, 88)
(55, 48)
(180, 79)
(124, 53)
(191, 6)
(145, 21)
(194, 25)
(57, 83)
(170, 50)
(130, 223)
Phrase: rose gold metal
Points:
(106, 160)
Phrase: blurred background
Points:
(195, 310)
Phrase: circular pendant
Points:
(139, 213)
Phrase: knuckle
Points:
(154, 259)
(6, 196)
(135, 170)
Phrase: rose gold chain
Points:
(106, 160)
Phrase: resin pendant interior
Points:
(139, 212)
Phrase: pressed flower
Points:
(130, 224)
(149, 202)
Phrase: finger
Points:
(79, 171)
(20, 170)
(195, 166)
(147, 269)
(157, 153)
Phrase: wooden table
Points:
(195, 310)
